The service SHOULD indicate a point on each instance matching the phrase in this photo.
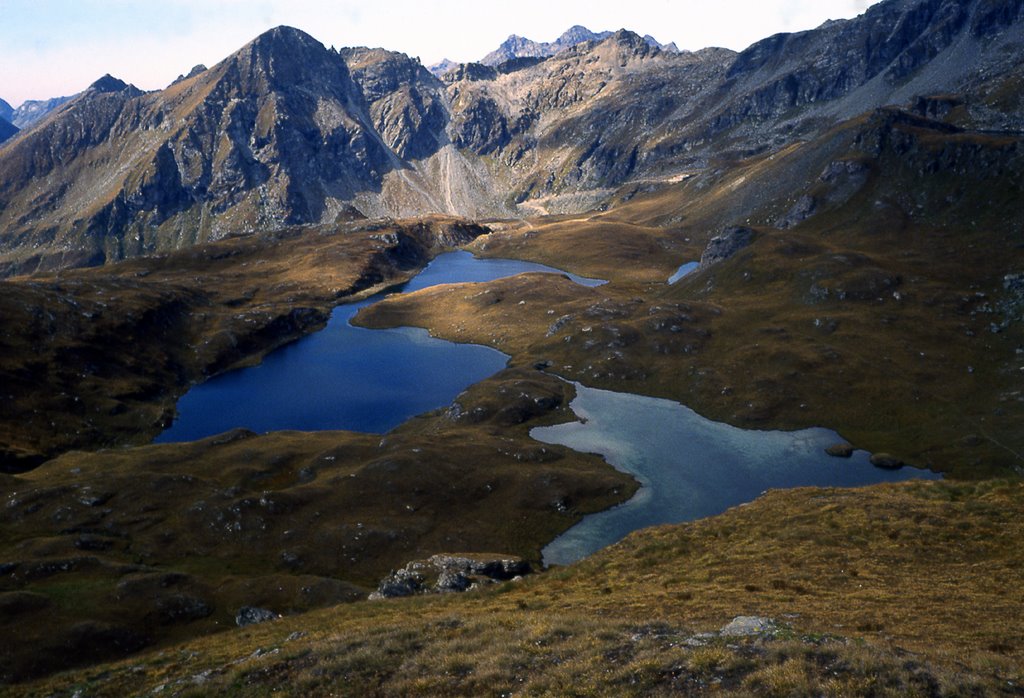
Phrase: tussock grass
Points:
(934, 611)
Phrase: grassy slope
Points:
(909, 589)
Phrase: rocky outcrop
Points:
(803, 209)
(405, 100)
(723, 246)
(449, 573)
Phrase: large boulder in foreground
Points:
(450, 573)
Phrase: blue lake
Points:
(352, 378)
(690, 467)
(346, 377)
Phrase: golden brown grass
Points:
(910, 589)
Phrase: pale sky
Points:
(50, 48)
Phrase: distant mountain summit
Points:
(108, 83)
(442, 67)
(6, 111)
(34, 110)
(520, 47)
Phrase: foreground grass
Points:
(908, 589)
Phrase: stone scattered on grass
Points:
(746, 626)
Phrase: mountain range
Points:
(287, 131)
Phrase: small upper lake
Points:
(683, 270)
(352, 378)
(690, 467)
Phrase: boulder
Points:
(746, 626)
(840, 450)
(251, 615)
(886, 461)
(449, 573)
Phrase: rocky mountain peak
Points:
(285, 56)
(521, 47)
(108, 83)
(6, 111)
(577, 34)
(283, 61)
(196, 70)
(442, 67)
(284, 36)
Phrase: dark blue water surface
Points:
(689, 466)
(352, 378)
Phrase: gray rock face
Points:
(405, 100)
(251, 615)
(404, 582)
(723, 246)
(452, 581)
